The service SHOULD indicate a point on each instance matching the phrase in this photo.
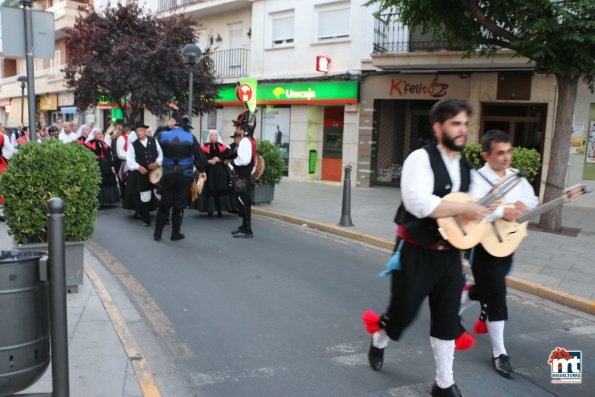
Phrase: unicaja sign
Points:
(566, 365)
(297, 94)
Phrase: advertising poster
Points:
(275, 129)
(591, 144)
(577, 144)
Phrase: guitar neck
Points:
(540, 209)
(488, 199)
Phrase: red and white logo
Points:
(244, 93)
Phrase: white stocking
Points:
(380, 339)
(444, 355)
(496, 331)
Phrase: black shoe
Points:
(238, 230)
(210, 214)
(166, 222)
(452, 391)
(157, 237)
(177, 236)
(375, 357)
(502, 366)
(138, 216)
(243, 234)
(146, 224)
(219, 214)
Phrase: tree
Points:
(128, 56)
(557, 35)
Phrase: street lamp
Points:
(191, 53)
(23, 80)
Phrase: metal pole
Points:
(58, 318)
(22, 102)
(190, 84)
(346, 206)
(27, 4)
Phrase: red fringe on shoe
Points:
(480, 327)
(464, 341)
(371, 321)
(467, 287)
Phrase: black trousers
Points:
(175, 194)
(245, 206)
(425, 272)
(490, 273)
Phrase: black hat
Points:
(243, 119)
(236, 134)
(140, 125)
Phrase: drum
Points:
(258, 167)
(155, 176)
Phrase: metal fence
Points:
(231, 63)
(391, 36)
(166, 5)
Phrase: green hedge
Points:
(273, 162)
(40, 171)
(523, 159)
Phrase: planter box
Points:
(74, 256)
(262, 194)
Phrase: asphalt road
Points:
(279, 315)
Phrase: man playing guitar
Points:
(489, 271)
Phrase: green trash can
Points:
(24, 320)
(313, 157)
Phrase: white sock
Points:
(466, 302)
(444, 355)
(380, 339)
(496, 332)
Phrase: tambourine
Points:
(155, 176)
(196, 188)
(258, 168)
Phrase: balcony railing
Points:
(391, 36)
(231, 63)
(167, 5)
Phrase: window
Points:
(282, 28)
(333, 21)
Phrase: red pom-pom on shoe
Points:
(371, 321)
(467, 287)
(464, 341)
(480, 327)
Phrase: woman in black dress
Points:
(108, 192)
(214, 195)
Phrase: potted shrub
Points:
(38, 172)
(523, 159)
(263, 190)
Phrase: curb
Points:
(540, 290)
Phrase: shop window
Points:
(333, 21)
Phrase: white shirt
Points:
(131, 155)
(7, 149)
(417, 182)
(244, 153)
(67, 138)
(523, 191)
(120, 151)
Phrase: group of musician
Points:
(427, 265)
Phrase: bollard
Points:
(346, 207)
(57, 273)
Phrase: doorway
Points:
(332, 144)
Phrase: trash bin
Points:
(313, 157)
(24, 320)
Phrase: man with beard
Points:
(429, 266)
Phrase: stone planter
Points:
(262, 194)
(74, 256)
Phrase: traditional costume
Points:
(7, 151)
(489, 272)
(244, 166)
(108, 192)
(215, 194)
(181, 153)
(139, 192)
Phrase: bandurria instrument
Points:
(462, 232)
(502, 237)
(155, 176)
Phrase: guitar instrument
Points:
(502, 237)
(462, 232)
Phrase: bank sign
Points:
(337, 92)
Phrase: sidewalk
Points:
(552, 266)
(98, 363)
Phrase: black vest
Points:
(145, 155)
(425, 230)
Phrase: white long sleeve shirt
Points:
(120, 151)
(7, 149)
(417, 182)
(523, 191)
(131, 155)
(244, 153)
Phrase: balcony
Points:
(65, 13)
(400, 47)
(231, 63)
